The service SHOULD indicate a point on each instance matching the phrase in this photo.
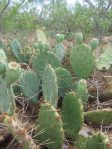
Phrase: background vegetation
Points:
(92, 17)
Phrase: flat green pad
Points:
(29, 84)
(98, 141)
(82, 61)
(50, 85)
(101, 116)
(72, 115)
(50, 126)
(42, 59)
(64, 80)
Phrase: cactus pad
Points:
(50, 123)
(104, 61)
(50, 85)
(82, 91)
(60, 51)
(12, 72)
(29, 84)
(3, 61)
(82, 61)
(42, 59)
(72, 115)
(79, 38)
(101, 116)
(15, 47)
(94, 43)
(98, 141)
(19, 132)
(64, 80)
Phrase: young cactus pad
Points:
(79, 38)
(42, 59)
(82, 91)
(50, 85)
(94, 43)
(64, 80)
(82, 61)
(98, 141)
(50, 126)
(29, 84)
(12, 72)
(101, 116)
(72, 115)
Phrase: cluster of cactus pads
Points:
(54, 81)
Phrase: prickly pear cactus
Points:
(13, 72)
(79, 38)
(104, 61)
(98, 141)
(100, 116)
(82, 91)
(15, 47)
(60, 51)
(50, 126)
(15, 129)
(7, 101)
(41, 36)
(82, 61)
(3, 61)
(64, 80)
(94, 43)
(72, 115)
(50, 85)
(42, 59)
(43, 47)
(29, 84)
